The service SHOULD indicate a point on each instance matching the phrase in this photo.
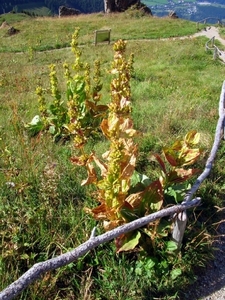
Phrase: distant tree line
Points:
(85, 6)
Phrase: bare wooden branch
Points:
(39, 269)
(211, 158)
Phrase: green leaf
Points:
(153, 196)
(175, 273)
(77, 87)
(69, 93)
(164, 265)
(171, 246)
(128, 213)
(150, 263)
(131, 242)
(163, 228)
(171, 192)
(139, 178)
(52, 129)
(35, 121)
(145, 266)
(35, 126)
(138, 271)
(24, 256)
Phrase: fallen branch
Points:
(39, 269)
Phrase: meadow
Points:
(175, 88)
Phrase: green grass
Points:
(12, 18)
(175, 88)
(57, 34)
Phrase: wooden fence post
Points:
(215, 53)
(179, 228)
(197, 25)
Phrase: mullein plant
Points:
(122, 193)
(80, 113)
(117, 166)
(83, 97)
(118, 163)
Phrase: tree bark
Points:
(109, 6)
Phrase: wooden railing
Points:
(217, 53)
(204, 21)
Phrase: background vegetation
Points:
(187, 9)
(175, 88)
(85, 6)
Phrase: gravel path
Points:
(211, 284)
(210, 32)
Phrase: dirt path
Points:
(210, 32)
(211, 284)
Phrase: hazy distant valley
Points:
(190, 10)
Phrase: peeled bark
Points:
(109, 6)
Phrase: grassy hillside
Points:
(175, 88)
(56, 33)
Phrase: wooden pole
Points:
(215, 53)
(179, 228)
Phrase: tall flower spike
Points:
(42, 102)
(78, 65)
(121, 158)
(54, 85)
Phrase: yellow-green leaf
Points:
(131, 242)
(192, 138)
